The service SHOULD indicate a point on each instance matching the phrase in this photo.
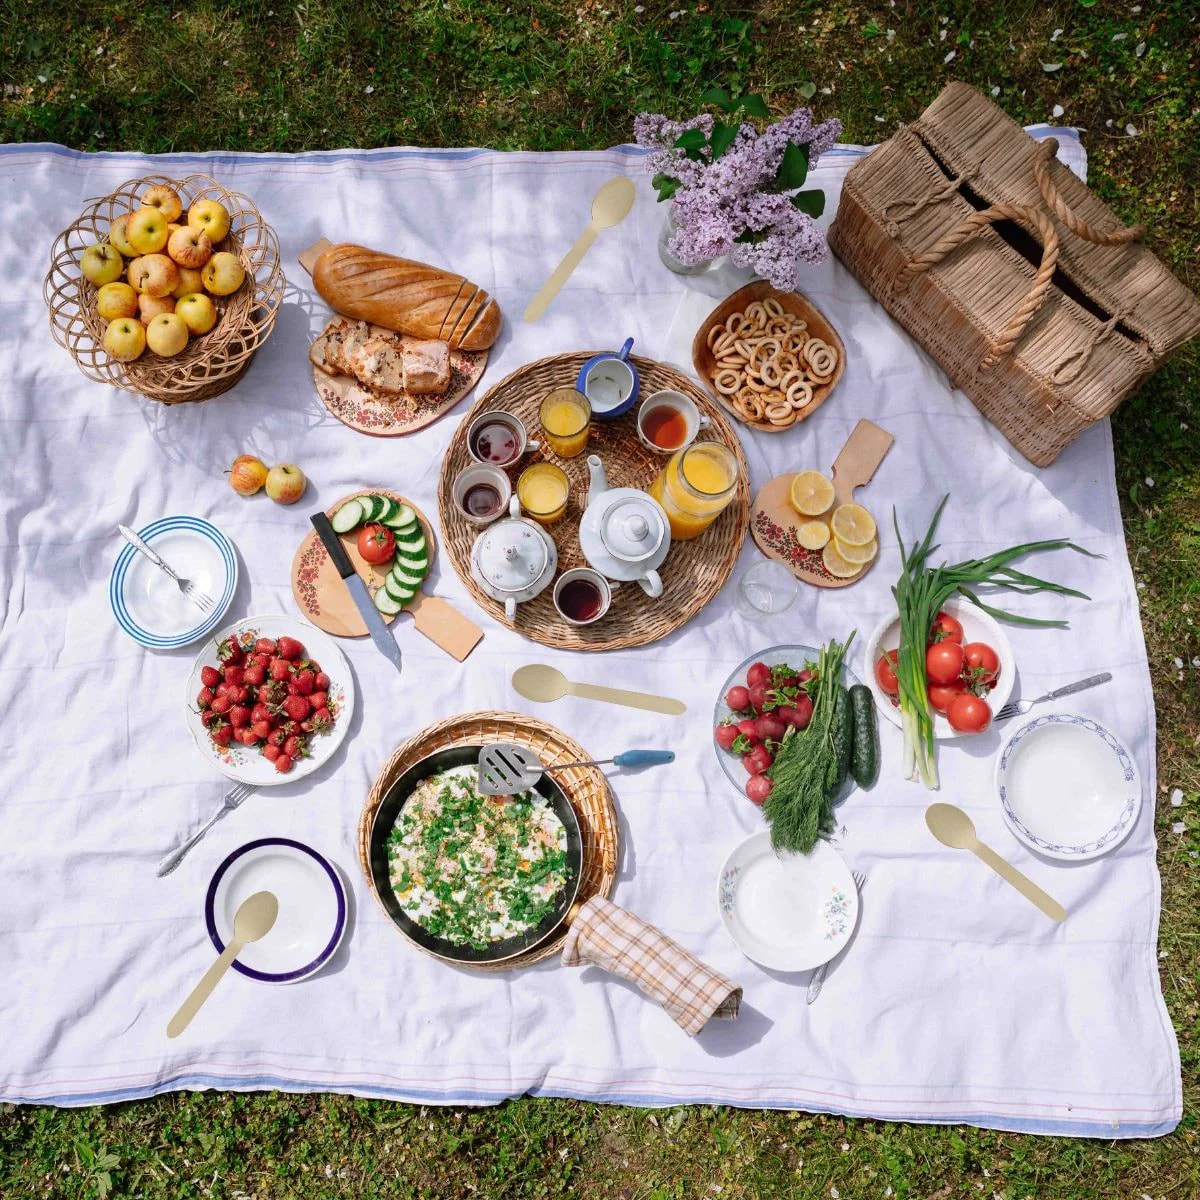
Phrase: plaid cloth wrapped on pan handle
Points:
(609, 937)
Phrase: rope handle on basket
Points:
(1042, 157)
(966, 230)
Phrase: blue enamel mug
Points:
(610, 382)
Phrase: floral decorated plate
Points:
(246, 764)
(788, 912)
(1069, 789)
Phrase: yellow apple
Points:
(190, 281)
(223, 274)
(147, 230)
(115, 300)
(248, 474)
(286, 483)
(118, 234)
(190, 246)
(125, 339)
(154, 274)
(165, 199)
(150, 307)
(166, 334)
(211, 216)
(102, 264)
(198, 312)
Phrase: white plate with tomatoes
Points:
(270, 700)
(757, 703)
(969, 667)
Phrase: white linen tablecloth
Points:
(957, 1001)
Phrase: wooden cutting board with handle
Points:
(324, 600)
(773, 520)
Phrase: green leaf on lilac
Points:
(722, 138)
(755, 105)
(691, 139)
(811, 202)
(793, 170)
(721, 98)
(667, 186)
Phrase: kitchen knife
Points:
(380, 634)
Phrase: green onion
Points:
(920, 593)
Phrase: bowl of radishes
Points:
(761, 699)
(969, 669)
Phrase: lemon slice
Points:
(852, 525)
(836, 565)
(812, 535)
(811, 494)
(860, 555)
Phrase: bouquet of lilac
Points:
(735, 189)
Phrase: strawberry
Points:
(239, 715)
(221, 733)
(318, 722)
(294, 747)
(233, 674)
(204, 697)
(323, 716)
(289, 648)
(210, 676)
(319, 699)
(221, 704)
(230, 651)
(283, 764)
(246, 736)
(271, 753)
(222, 688)
(281, 669)
(207, 717)
(276, 738)
(264, 645)
(254, 674)
(306, 682)
(297, 707)
(267, 694)
(322, 680)
(262, 729)
(260, 712)
(292, 689)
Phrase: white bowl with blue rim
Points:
(610, 382)
(312, 908)
(149, 606)
(1069, 788)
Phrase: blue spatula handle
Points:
(644, 758)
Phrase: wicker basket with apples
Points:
(166, 287)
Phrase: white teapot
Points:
(513, 559)
(624, 533)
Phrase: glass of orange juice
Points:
(566, 417)
(695, 486)
(543, 490)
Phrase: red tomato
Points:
(983, 663)
(758, 673)
(942, 694)
(969, 714)
(943, 662)
(725, 735)
(946, 629)
(885, 672)
(376, 543)
(758, 788)
(738, 698)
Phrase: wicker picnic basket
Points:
(1028, 290)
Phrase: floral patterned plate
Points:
(245, 763)
(788, 912)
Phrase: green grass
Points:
(281, 76)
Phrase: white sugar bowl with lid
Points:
(513, 560)
(624, 533)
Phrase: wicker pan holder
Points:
(1046, 336)
(210, 364)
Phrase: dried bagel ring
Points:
(734, 322)
(800, 394)
(723, 342)
(755, 313)
(821, 358)
(760, 349)
(769, 371)
(779, 414)
(749, 405)
(772, 307)
(787, 362)
(716, 332)
(727, 381)
(791, 378)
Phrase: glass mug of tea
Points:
(668, 421)
(497, 439)
(481, 493)
(582, 595)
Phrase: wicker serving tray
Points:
(586, 787)
(694, 571)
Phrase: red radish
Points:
(769, 727)
(725, 735)
(759, 697)
(289, 648)
(758, 788)
(806, 675)
(283, 764)
(758, 760)
(210, 676)
(797, 715)
(759, 673)
(738, 698)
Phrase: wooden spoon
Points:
(253, 919)
(952, 827)
(546, 684)
(610, 206)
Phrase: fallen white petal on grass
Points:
(949, 56)
(1177, 798)
(1057, 110)
(995, 91)
(1131, 129)
(942, 36)
(1056, 35)
(1179, 827)
(1051, 67)
(368, 89)
(1140, 49)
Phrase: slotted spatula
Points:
(505, 769)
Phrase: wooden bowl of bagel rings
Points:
(770, 358)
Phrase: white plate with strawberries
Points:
(269, 700)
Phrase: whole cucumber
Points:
(843, 739)
(864, 762)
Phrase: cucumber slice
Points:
(390, 508)
(387, 603)
(403, 575)
(404, 515)
(413, 562)
(348, 516)
(399, 592)
(405, 533)
(378, 504)
(412, 545)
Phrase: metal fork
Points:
(814, 986)
(1014, 708)
(233, 798)
(202, 600)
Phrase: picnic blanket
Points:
(956, 1002)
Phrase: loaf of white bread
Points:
(409, 297)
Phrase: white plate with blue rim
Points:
(147, 603)
(1069, 788)
(789, 912)
(312, 908)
